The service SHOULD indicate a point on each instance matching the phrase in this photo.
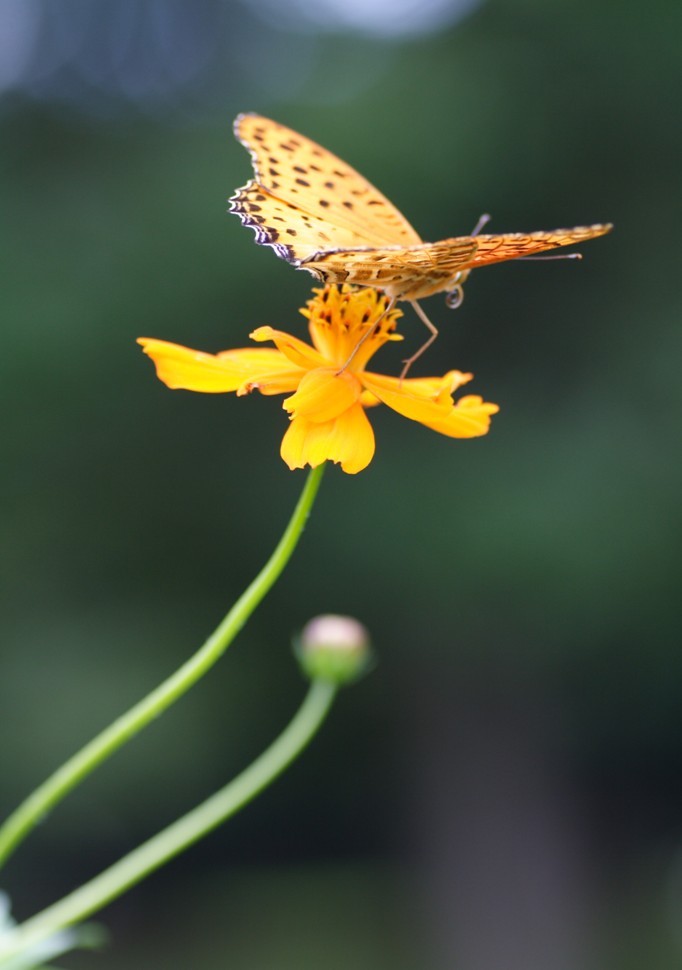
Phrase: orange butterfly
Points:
(321, 215)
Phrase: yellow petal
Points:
(298, 352)
(347, 440)
(323, 395)
(429, 388)
(368, 400)
(232, 370)
(439, 389)
(468, 418)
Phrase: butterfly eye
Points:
(454, 297)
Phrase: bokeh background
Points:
(503, 790)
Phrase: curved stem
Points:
(184, 832)
(58, 785)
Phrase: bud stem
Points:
(172, 840)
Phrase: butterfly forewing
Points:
(301, 186)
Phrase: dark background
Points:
(503, 791)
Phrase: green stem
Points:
(58, 785)
(184, 832)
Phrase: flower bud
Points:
(335, 648)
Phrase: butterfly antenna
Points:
(425, 346)
(537, 259)
(481, 224)
(368, 333)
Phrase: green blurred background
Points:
(503, 791)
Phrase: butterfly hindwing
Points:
(293, 232)
(399, 272)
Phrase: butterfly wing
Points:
(428, 268)
(304, 200)
(516, 245)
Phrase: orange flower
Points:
(327, 406)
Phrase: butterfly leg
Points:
(434, 333)
(368, 333)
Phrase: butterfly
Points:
(321, 215)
